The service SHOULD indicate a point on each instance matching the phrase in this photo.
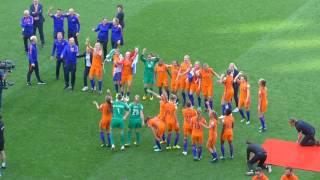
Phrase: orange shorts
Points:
(242, 103)
(212, 141)
(95, 71)
(263, 107)
(162, 83)
(227, 136)
(174, 86)
(105, 124)
(187, 130)
(207, 90)
(183, 83)
(195, 88)
(227, 96)
(160, 132)
(172, 126)
(197, 139)
(126, 78)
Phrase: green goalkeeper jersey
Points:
(135, 110)
(119, 108)
(149, 65)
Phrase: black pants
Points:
(1, 88)
(55, 35)
(36, 70)
(114, 44)
(73, 35)
(308, 140)
(58, 65)
(261, 157)
(85, 75)
(104, 46)
(235, 95)
(70, 69)
(38, 25)
(26, 39)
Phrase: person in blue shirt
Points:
(58, 46)
(306, 132)
(58, 22)
(69, 54)
(73, 25)
(26, 24)
(36, 12)
(103, 33)
(33, 61)
(116, 36)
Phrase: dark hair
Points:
(229, 72)
(59, 9)
(248, 142)
(215, 116)
(289, 168)
(188, 104)
(263, 82)
(147, 119)
(245, 77)
(228, 111)
(292, 120)
(119, 97)
(108, 101)
(120, 6)
(258, 169)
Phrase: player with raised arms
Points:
(104, 124)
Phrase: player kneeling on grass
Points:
(259, 175)
(188, 113)
(104, 124)
(306, 132)
(244, 100)
(135, 120)
(255, 153)
(213, 133)
(172, 123)
(120, 113)
(227, 132)
(198, 122)
(289, 175)
(158, 127)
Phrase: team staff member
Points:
(306, 132)
(259, 155)
(58, 22)
(70, 55)
(73, 25)
(58, 46)
(33, 61)
(27, 28)
(103, 33)
(36, 12)
(234, 71)
(120, 15)
(116, 35)
(87, 55)
(2, 152)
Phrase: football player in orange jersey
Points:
(227, 132)
(262, 103)
(198, 122)
(182, 79)
(161, 73)
(188, 113)
(195, 83)
(207, 75)
(158, 127)
(228, 92)
(172, 123)
(117, 69)
(106, 115)
(174, 69)
(244, 97)
(96, 69)
(127, 74)
(213, 133)
(289, 175)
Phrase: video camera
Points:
(6, 66)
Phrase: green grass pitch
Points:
(53, 134)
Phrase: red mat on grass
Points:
(285, 153)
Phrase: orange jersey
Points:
(170, 109)
(197, 126)
(262, 177)
(213, 131)
(188, 114)
(127, 67)
(116, 61)
(184, 67)
(161, 71)
(156, 123)
(291, 177)
(96, 60)
(207, 76)
(263, 99)
(162, 112)
(106, 111)
(244, 86)
(228, 84)
(228, 124)
(174, 72)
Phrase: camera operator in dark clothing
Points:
(255, 153)
(306, 130)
